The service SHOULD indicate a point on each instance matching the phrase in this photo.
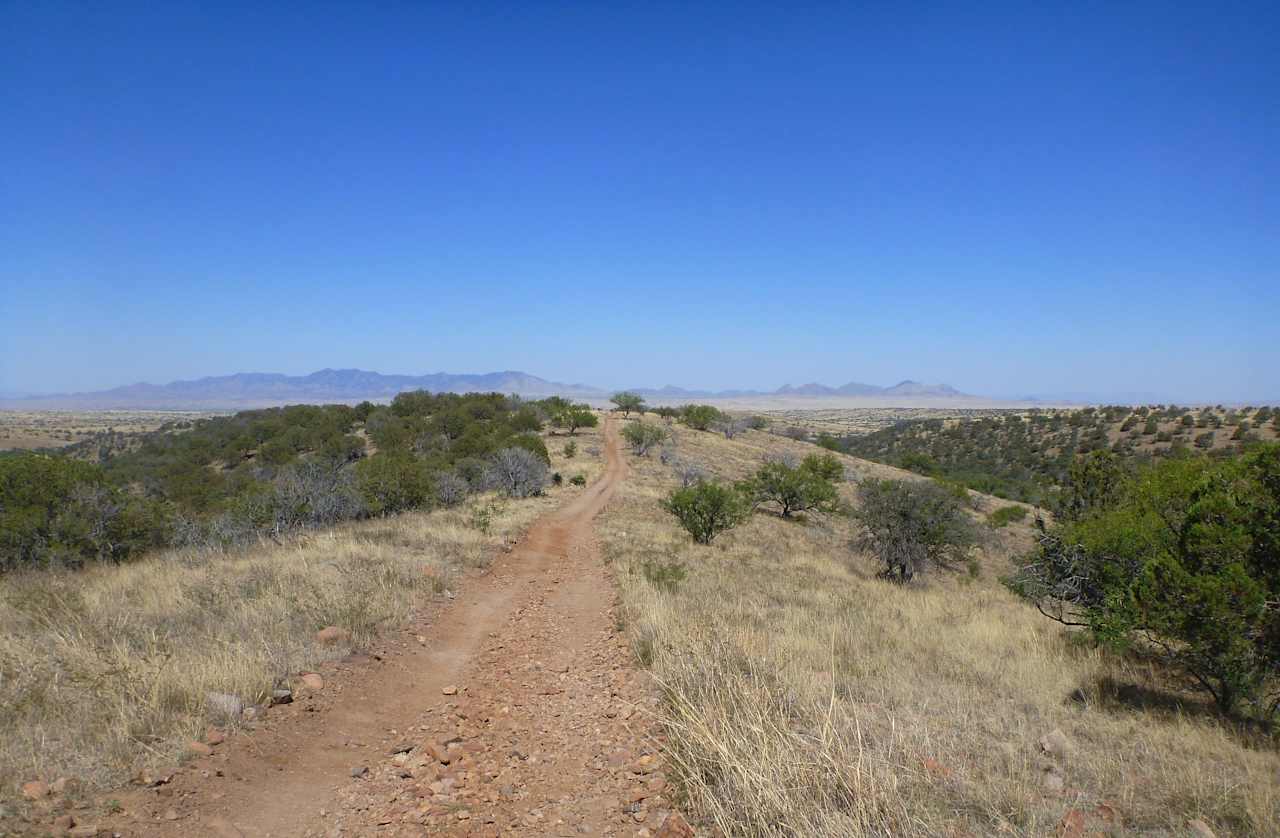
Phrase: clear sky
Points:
(1012, 198)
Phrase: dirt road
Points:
(515, 712)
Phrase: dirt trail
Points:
(546, 734)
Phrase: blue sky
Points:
(1012, 198)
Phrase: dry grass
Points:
(106, 671)
(806, 697)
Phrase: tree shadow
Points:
(1113, 695)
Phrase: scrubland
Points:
(805, 696)
(108, 671)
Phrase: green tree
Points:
(393, 482)
(700, 417)
(807, 487)
(1182, 565)
(707, 509)
(911, 525)
(643, 436)
(628, 402)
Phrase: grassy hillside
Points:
(803, 695)
(109, 669)
(1025, 455)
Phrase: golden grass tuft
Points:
(804, 696)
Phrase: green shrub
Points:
(707, 509)
(665, 576)
(1006, 515)
(807, 487)
(578, 480)
(570, 450)
(643, 436)
(628, 403)
(393, 482)
(1182, 564)
(909, 525)
(700, 417)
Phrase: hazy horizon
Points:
(1012, 200)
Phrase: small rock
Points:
(359, 771)
(1200, 829)
(1055, 744)
(674, 826)
(282, 696)
(422, 639)
(171, 815)
(332, 636)
(60, 785)
(313, 681)
(450, 690)
(215, 736)
(35, 790)
(63, 823)
(1052, 780)
(87, 831)
(199, 749)
(1071, 825)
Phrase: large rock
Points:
(1055, 744)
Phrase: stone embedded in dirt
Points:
(1051, 778)
(222, 828)
(86, 831)
(223, 704)
(402, 748)
(313, 681)
(62, 785)
(215, 736)
(171, 815)
(438, 753)
(674, 826)
(1055, 744)
(1071, 825)
(199, 748)
(332, 636)
(450, 690)
(1200, 829)
(35, 790)
(359, 771)
(63, 823)
(281, 696)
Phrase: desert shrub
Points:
(1151, 427)
(807, 487)
(319, 492)
(1093, 482)
(393, 482)
(517, 473)
(570, 450)
(573, 416)
(1006, 515)
(557, 479)
(707, 509)
(1204, 440)
(688, 472)
(531, 443)
(642, 436)
(56, 511)
(578, 480)
(1181, 565)
(757, 422)
(628, 403)
(665, 576)
(700, 417)
(910, 526)
(451, 489)
(729, 426)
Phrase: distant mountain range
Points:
(257, 389)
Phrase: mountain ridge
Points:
(264, 389)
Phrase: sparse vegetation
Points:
(808, 486)
(643, 436)
(707, 509)
(911, 526)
